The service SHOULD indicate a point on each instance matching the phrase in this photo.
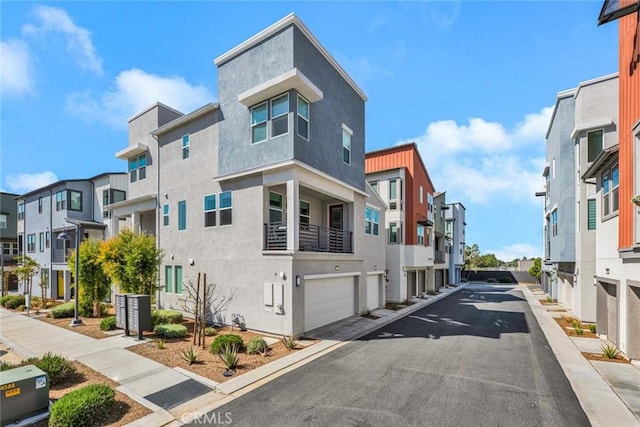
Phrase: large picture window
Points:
(75, 200)
(270, 118)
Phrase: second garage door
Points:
(373, 291)
(328, 300)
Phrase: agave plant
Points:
(190, 355)
(229, 356)
(609, 351)
(290, 342)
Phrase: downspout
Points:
(51, 244)
(157, 217)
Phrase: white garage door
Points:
(328, 300)
(373, 291)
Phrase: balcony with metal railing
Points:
(438, 257)
(311, 238)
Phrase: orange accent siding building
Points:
(629, 33)
(406, 156)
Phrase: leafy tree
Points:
(471, 257)
(27, 268)
(132, 260)
(536, 269)
(94, 282)
(488, 261)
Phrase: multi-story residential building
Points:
(265, 190)
(618, 299)
(8, 239)
(440, 241)
(67, 205)
(560, 207)
(398, 174)
(455, 226)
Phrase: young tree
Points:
(536, 269)
(27, 268)
(471, 257)
(132, 260)
(93, 281)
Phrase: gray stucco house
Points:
(264, 191)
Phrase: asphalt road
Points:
(475, 358)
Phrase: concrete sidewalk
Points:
(609, 392)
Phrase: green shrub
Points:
(160, 343)
(86, 308)
(4, 299)
(609, 351)
(14, 301)
(210, 331)
(64, 310)
(165, 317)
(170, 330)
(226, 340)
(491, 280)
(505, 279)
(592, 328)
(57, 367)
(578, 329)
(290, 342)
(228, 354)
(5, 366)
(82, 407)
(21, 308)
(108, 323)
(256, 345)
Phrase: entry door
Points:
(335, 216)
(60, 280)
(336, 243)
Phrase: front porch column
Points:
(136, 225)
(293, 215)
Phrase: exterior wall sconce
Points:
(337, 268)
(298, 281)
(606, 270)
(191, 261)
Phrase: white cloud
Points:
(480, 161)
(135, 90)
(361, 69)
(79, 44)
(16, 68)
(25, 182)
(517, 250)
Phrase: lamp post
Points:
(65, 236)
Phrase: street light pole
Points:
(76, 320)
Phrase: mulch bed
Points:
(209, 365)
(545, 302)
(568, 328)
(602, 358)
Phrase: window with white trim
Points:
(210, 210)
(226, 208)
(395, 232)
(420, 234)
(371, 221)
(138, 168)
(39, 205)
(3, 221)
(395, 194)
(280, 115)
(610, 197)
(374, 185)
(305, 214)
(31, 243)
(61, 200)
(185, 146)
(20, 211)
(346, 145)
(259, 115)
(554, 222)
(165, 214)
(303, 117)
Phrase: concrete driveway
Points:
(475, 358)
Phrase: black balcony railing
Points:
(438, 256)
(312, 238)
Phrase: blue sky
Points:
(473, 83)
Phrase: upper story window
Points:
(210, 210)
(421, 195)
(591, 214)
(346, 144)
(594, 144)
(554, 223)
(275, 207)
(610, 197)
(75, 200)
(3, 221)
(47, 239)
(280, 115)
(39, 205)
(371, 221)
(226, 208)
(31, 242)
(185, 146)
(111, 196)
(20, 211)
(374, 185)
(138, 168)
(420, 234)
(182, 215)
(395, 231)
(61, 200)
(165, 214)
(395, 194)
(41, 241)
(273, 114)
(303, 117)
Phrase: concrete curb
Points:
(601, 404)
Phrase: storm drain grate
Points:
(178, 394)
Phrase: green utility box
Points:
(25, 392)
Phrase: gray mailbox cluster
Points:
(133, 313)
